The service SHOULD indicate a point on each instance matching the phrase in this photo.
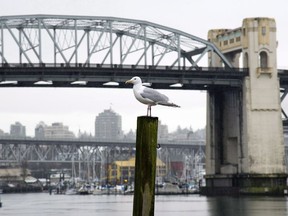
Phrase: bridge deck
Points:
(161, 77)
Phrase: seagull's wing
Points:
(153, 95)
(157, 97)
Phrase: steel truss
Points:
(67, 151)
(87, 159)
(55, 152)
(82, 40)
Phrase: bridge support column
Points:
(245, 144)
(223, 133)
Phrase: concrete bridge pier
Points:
(245, 144)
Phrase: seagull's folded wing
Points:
(153, 95)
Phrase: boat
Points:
(86, 189)
(71, 191)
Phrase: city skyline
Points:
(38, 128)
(79, 107)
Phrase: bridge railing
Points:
(118, 66)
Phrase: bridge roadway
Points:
(97, 75)
(107, 76)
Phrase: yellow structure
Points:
(123, 171)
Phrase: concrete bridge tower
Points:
(245, 144)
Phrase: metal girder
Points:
(54, 41)
(285, 92)
(32, 46)
(283, 79)
(18, 42)
(60, 34)
(66, 151)
(94, 47)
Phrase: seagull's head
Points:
(135, 80)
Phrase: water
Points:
(44, 204)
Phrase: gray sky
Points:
(78, 108)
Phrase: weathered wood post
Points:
(145, 167)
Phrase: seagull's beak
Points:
(128, 81)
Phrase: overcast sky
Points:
(78, 108)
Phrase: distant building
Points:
(85, 135)
(40, 130)
(18, 179)
(162, 131)
(2, 133)
(56, 131)
(108, 126)
(17, 130)
(124, 171)
(131, 135)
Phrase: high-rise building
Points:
(56, 131)
(108, 125)
(17, 130)
(40, 130)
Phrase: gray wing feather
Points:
(154, 95)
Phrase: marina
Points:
(25, 204)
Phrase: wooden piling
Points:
(145, 167)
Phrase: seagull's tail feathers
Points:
(164, 103)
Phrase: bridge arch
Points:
(101, 40)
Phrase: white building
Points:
(56, 131)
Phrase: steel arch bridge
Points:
(33, 39)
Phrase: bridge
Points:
(73, 51)
(89, 158)
(62, 150)
(244, 124)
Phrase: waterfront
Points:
(31, 204)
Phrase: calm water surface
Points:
(43, 204)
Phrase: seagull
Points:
(148, 96)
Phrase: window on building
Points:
(246, 61)
(263, 30)
(244, 31)
(263, 59)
